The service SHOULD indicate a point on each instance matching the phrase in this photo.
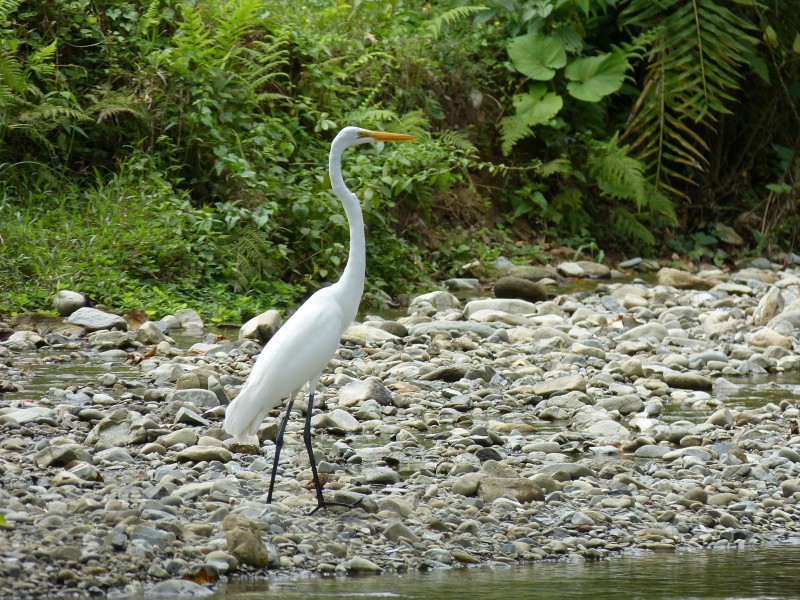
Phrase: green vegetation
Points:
(168, 153)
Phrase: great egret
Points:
(301, 349)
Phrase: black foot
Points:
(327, 504)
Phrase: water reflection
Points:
(763, 573)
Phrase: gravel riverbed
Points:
(492, 431)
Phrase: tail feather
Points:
(244, 415)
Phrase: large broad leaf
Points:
(595, 77)
(537, 56)
(538, 106)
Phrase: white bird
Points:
(302, 348)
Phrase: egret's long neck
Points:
(352, 279)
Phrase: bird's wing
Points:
(296, 354)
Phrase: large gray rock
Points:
(244, 541)
(567, 383)
(433, 302)
(770, 305)
(679, 279)
(93, 319)
(66, 302)
(262, 327)
(517, 287)
(524, 490)
(121, 428)
(199, 397)
(356, 393)
(149, 333)
(506, 305)
(336, 419)
(479, 329)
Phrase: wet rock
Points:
(149, 333)
(121, 428)
(679, 279)
(204, 453)
(66, 302)
(517, 287)
(524, 490)
(243, 538)
(93, 319)
(262, 327)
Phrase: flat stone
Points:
(204, 453)
(568, 383)
(93, 319)
(524, 490)
(396, 530)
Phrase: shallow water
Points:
(766, 572)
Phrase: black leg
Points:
(321, 502)
(278, 446)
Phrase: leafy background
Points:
(172, 153)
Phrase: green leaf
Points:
(538, 106)
(595, 77)
(796, 43)
(537, 56)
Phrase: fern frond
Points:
(7, 7)
(370, 117)
(513, 128)
(459, 13)
(12, 78)
(696, 51)
(629, 227)
(414, 122)
(458, 140)
(117, 103)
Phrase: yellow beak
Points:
(385, 136)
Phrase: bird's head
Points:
(350, 136)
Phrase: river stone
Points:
(262, 327)
(359, 564)
(121, 428)
(721, 418)
(506, 305)
(66, 302)
(54, 456)
(433, 302)
(763, 338)
(462, 284)
(189, 319)
(679, 279)
(107, 340)
(33, 414)
(178, 588)
(149, 333)
(357, 392)
(790, 487)
(651, 451)
(790, 454)
(336, 419)
(567, 383)
(771, 304)
(187, 437)
(449, 373)
(380, 475)
(204, 453)
(688, 381)
(467, 485)
(517, 287)
(524, 490)
(244, 541)
(199, 397)
(360, 334)
(652, 330)
(93, 319)
(574, 470)
(479, 329)
(396, 530)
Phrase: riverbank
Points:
(493, 431)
